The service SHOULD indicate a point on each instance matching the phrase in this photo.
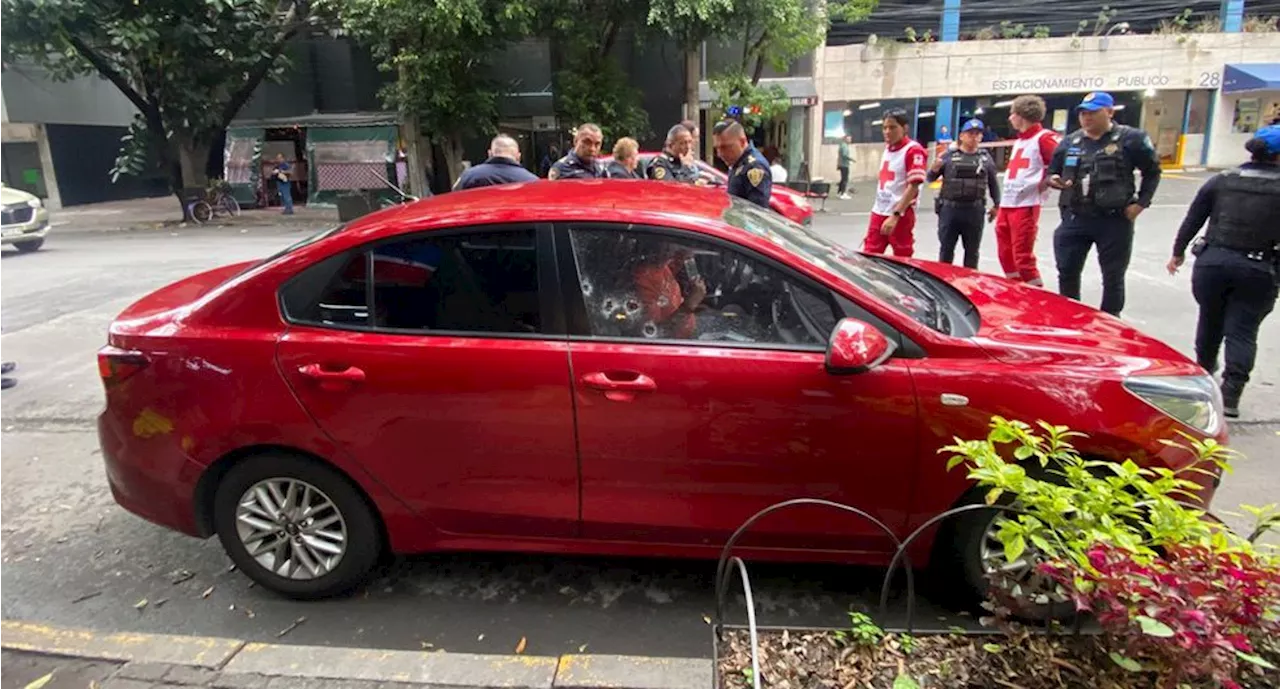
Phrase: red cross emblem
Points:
(1019, 162)
(886, 175)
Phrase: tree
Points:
(781, 31)
(691, 23)
(590, 85)
(188, 66)
(441, 52)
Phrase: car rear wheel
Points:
(29, 245)
(970, 559)
(296, 526)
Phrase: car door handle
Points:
(333, 380)
(620, 386)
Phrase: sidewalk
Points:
(79, 658)
(162, 212)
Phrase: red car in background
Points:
(784, 201)
(533, 368)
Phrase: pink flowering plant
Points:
(1177, 592)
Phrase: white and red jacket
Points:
(902, 164)
(1028, 165)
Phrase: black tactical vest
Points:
(964, 177)
(1246, 212)
(1102, 175)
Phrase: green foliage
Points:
(690, 22)
(188, 66)
(1071, 502)
(1040, 31)
(863, 631)
(441, 52)
(736, 88)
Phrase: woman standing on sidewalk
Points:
(1237, 273)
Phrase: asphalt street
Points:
(71, 557)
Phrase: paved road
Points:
(71, 557)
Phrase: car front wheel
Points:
(296, 526)
(29, 245)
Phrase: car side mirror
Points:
(856, 347)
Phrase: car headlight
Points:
(1193, 400)
(35, 203)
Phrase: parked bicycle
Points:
(217, 202)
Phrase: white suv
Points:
(26, 220)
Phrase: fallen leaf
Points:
(160, 603)
(524, 641)
(426, 645)
(36, 684)
(582, 648)
(207, 592)
(706, 618)
(140, 604)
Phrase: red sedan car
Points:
(784, 201)
(532, 368)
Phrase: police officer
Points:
(1093, 167)
(749, 174)
(581, 162)
(968, 175)
(1237, 263)
(670, 165)
(502, 167)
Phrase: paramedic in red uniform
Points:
(902, 171)
(1025, 189)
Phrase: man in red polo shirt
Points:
(902, 171)
(1026, 185)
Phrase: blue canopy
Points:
(1256, 76)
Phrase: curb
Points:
(240, 658)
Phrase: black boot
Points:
(1231, 399)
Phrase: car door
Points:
(685, 432)
(439, 362)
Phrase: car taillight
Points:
(118, 365)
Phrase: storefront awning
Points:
(801, 90)
(1255, 76)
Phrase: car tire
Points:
(238, 507)
(29, 246)
(958, 565)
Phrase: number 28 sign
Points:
(1209, 80)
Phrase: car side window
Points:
(653, 285)
(484, 282)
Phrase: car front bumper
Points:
(35, 228)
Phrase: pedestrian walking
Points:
(626, 160)
(582, 162)
(672, 165)
(1026, 187)
(1094, 168)
(843, 163)
(749, 174)
(502, 167)
(282, 174)
(968, 174)
(902, 171)
(1237, 271)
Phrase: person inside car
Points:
(667, 312)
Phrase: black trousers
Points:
(1113, 235)
(844, 180)
(963, 222)
(1235, 294)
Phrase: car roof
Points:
(546, 200)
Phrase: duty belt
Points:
(954, 203)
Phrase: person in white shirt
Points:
(902, 171)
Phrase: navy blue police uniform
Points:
(1101, 172)
(750, 178)
(1236, 278)
(496, 170)
(573, 167)
(967, 178)
(668, 168)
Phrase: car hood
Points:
(1025, 324)
(9, 196)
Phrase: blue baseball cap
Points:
(974, 123)
(1097, 101)
(1271, 135)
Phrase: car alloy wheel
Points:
(291, 528)
(1020, 579)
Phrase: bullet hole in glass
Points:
(650, 330)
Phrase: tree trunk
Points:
(192, 160)
(415, 156)
(451, 147)
(692, 74)
(759, 71)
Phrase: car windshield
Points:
(901, 287)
